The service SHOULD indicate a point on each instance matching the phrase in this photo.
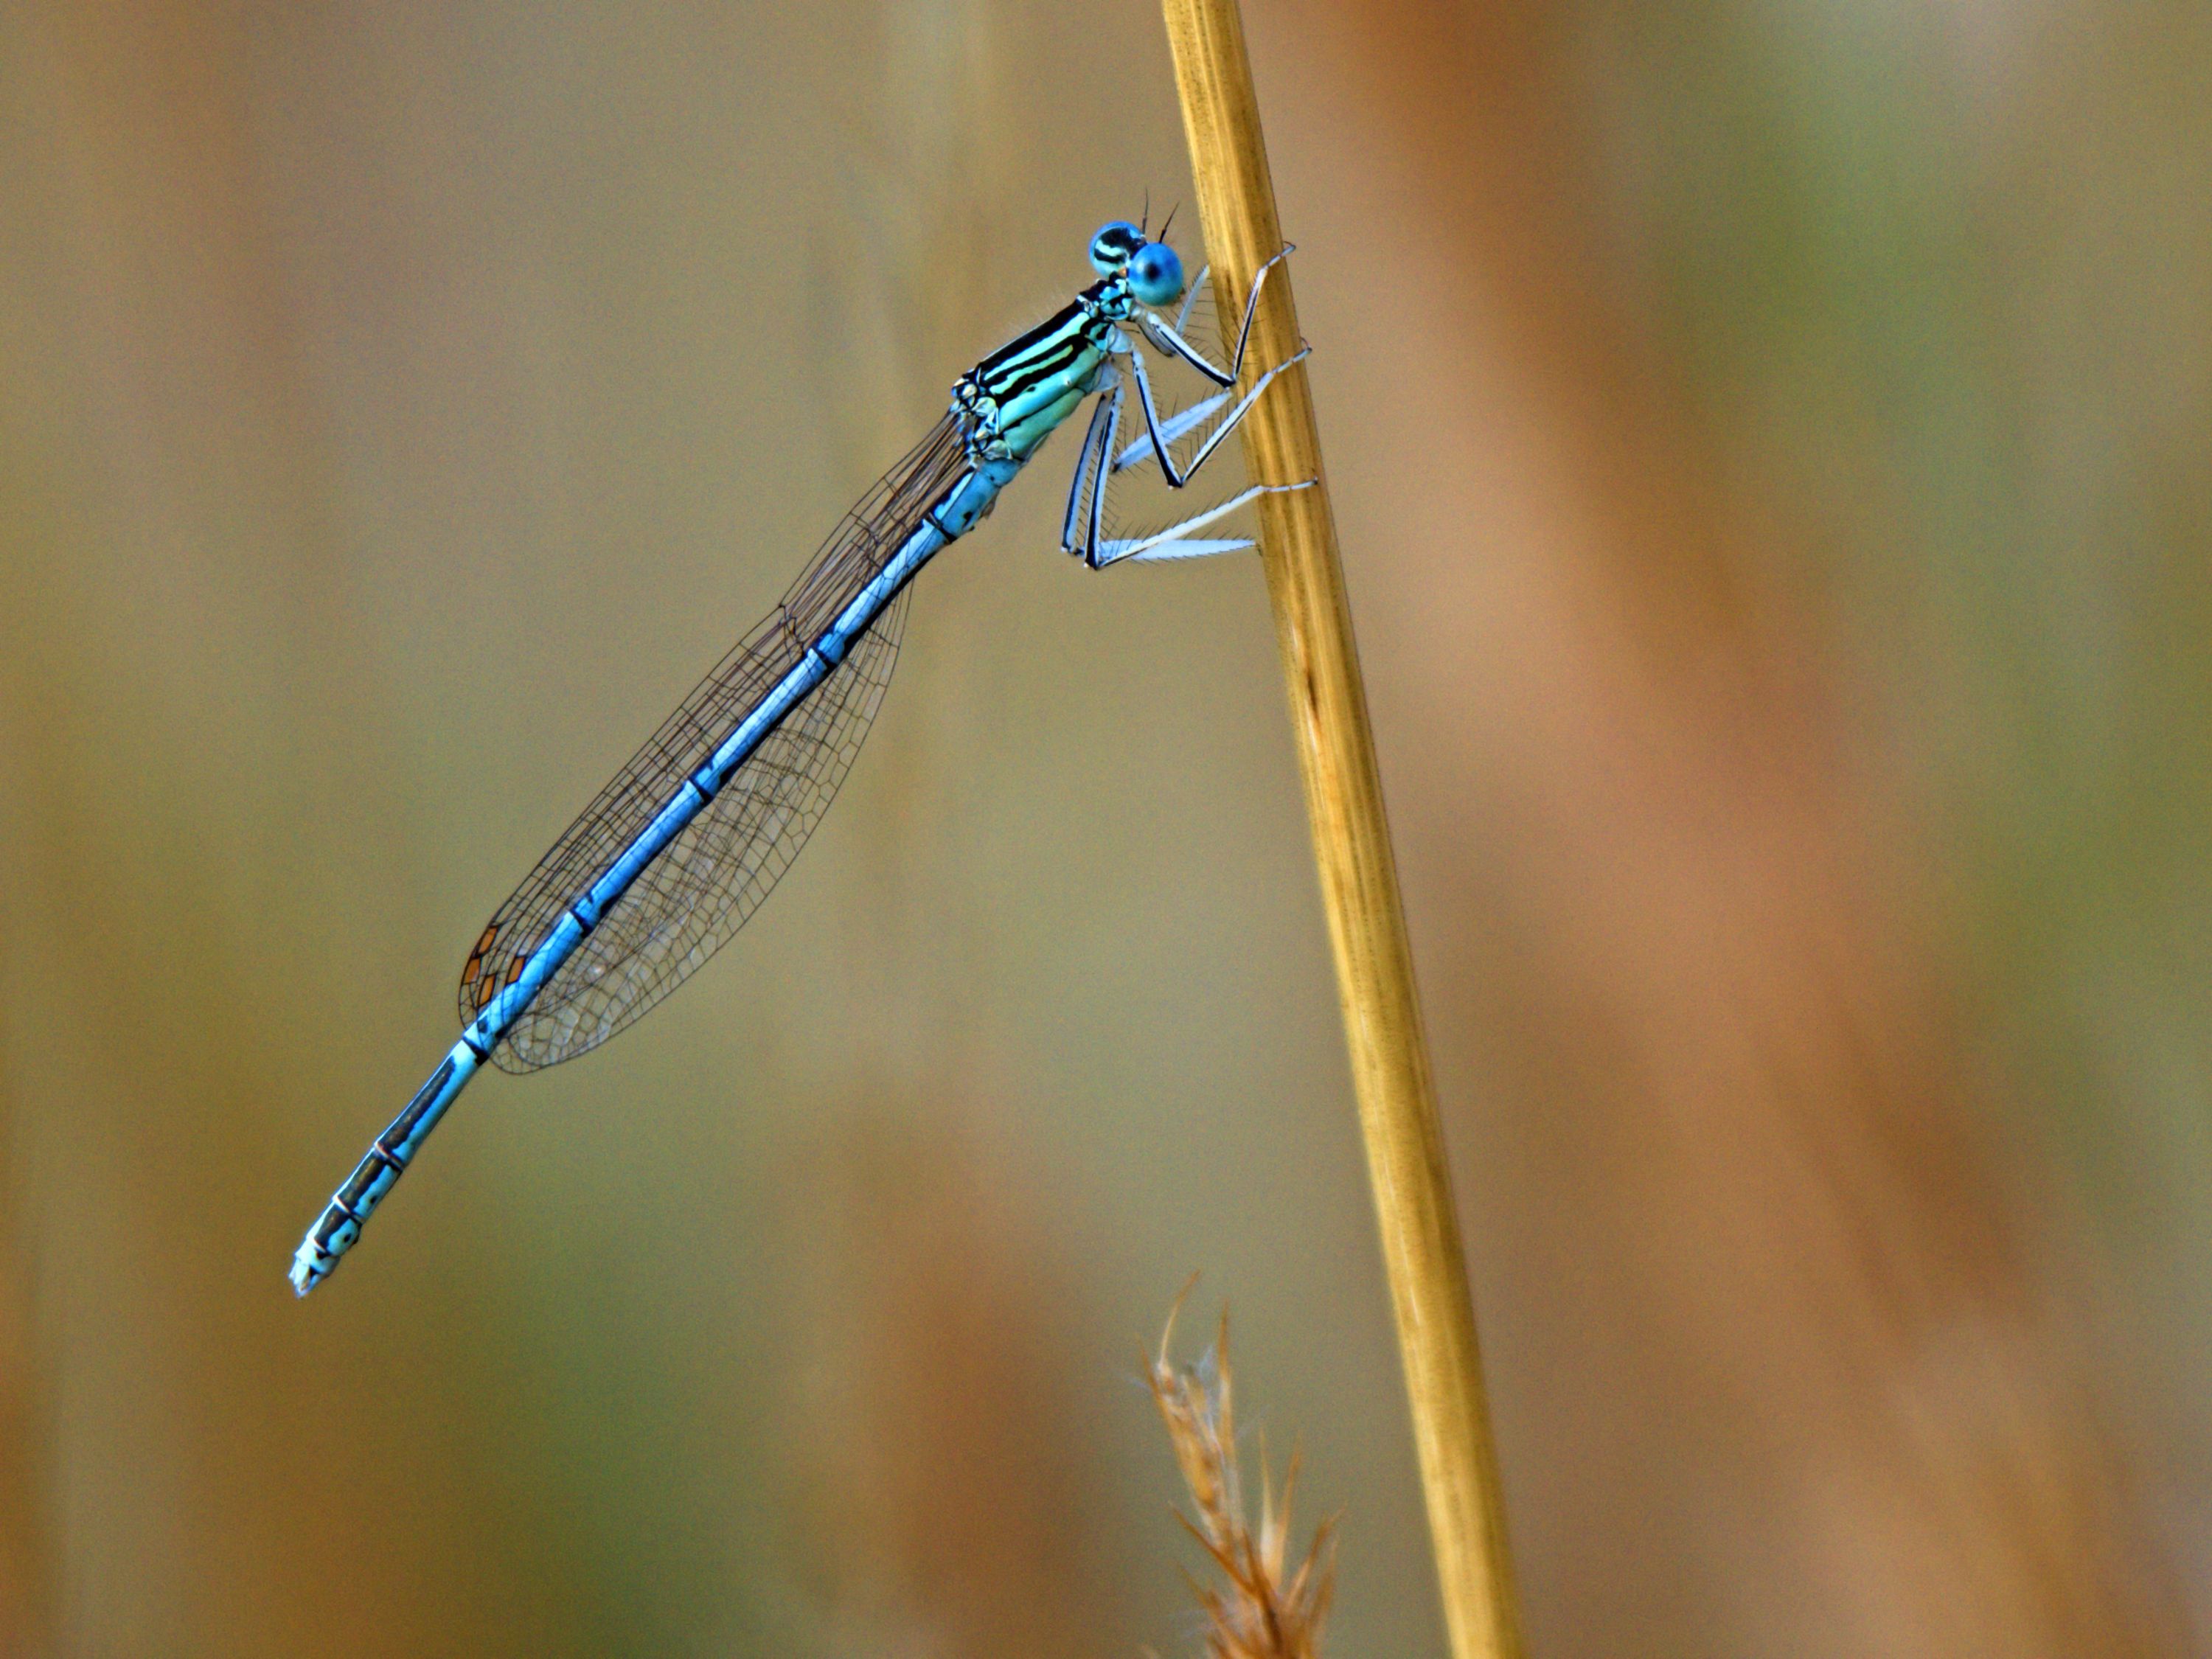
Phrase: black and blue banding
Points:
(403, 1126)
(1018, 379)
(358, 1196)
(1045, 334)
(703, 783)
(1048, 349)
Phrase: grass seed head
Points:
(1262, 1607)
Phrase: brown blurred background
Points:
(1773, 448)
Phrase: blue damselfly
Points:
(679, 850)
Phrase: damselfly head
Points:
(1112, 248)
(1156, 275)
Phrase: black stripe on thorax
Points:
(1046, 350)
(1068, 318)
(1025, 378)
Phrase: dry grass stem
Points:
(1268, 1608)
(1352, 856)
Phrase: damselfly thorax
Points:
(1017, 397)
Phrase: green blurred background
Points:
(1772, 443)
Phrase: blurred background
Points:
(1772, 442)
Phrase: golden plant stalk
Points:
(1351, 847)
(1267, 1609)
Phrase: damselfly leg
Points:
(1097, 464)
(1159, 439)
(1175, 542)
(1170, 338)
(1087, 492)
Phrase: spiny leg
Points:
(1098, 487)
(1171, 543)
(1175, 542)
(1097, 446)
(1170, 339)
(1078, 531)
(1176, 477)
(1172, 430)
(1190, 299)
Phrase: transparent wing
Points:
(710, 879)
(691, 899)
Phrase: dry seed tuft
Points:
(1266, 1609)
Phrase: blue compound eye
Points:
(1111, 248)
(1156, 275)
